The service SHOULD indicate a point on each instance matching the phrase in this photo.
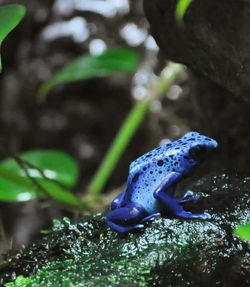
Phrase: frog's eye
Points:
(198, 152)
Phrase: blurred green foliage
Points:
(51, 174)
(181, 8)
(10, 16)
(243, 232)
(20, 281)
(92, 66)
(39, 174)
(55, 165)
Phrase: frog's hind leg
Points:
(127, 218)
(117, 202)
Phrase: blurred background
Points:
(80, 118)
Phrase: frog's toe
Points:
(151, 217)
(123, 229)
(189, 215)
(206, 215)
(188, 193)
(184, 214)
(189, 196)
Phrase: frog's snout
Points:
(211, 147)
(214, 144)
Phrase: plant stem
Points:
(128, 129)
(118, 146)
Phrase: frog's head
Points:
(195, 149)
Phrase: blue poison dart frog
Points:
(152, 182)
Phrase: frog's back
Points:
(145, 174)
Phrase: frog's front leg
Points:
(161, 194)
(127, 218)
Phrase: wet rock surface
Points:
(168, 252)
(214, 43)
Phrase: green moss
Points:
(92, 272)
(20, 281)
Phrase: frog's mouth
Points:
(201, 152)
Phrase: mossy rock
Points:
(168, 252)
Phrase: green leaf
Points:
(55, 165)
(14, 188)
(58, 168)
(60, 194)
(10, 16)
(90, 66)
(181, 9)
(243, 231)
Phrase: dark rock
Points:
(214, 39)
(168, 252)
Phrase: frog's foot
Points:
(189, 215)
(150, 217)
(176, 208)
(189, 196)
(127, 218)
(123, 229)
